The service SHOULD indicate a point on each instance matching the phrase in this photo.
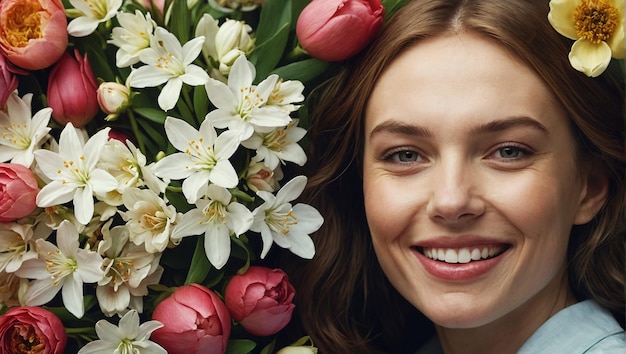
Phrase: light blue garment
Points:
(584, 327)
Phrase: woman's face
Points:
(471, 183)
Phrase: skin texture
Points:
(471, 150)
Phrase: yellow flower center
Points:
(23, 23)
(596, 20)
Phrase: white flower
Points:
(15, 246)
(21, 134)
(204, 157)
(217, 217)
(95, 12)
(279, 145)
(288, 226)
(66, 267)
(285, 94)
(127, 267)
(241, 106)
(73, 173)
(170, 64)
(149, 219)
(129, 337)
(131, 37)
(128, 165)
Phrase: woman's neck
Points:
(507, 334)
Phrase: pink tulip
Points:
(18, 191)
(72, 91)
(195, 320)
(8, 80)
(260, 300)
(31, 330)
(33, 33)
(335, 30)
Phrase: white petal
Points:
(179, 133)
(72, 294)
(291, 190)
(195, 76)
(192, 49)
(224, 175)
(40, 292)
(589, 58)
(220, 95)
(170, 93)
(195, 185)
(217, 245)
(176, 166)
(82, 26)
(83, 204)
(55, 193)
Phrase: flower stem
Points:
(135, 127)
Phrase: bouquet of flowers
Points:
(148, 165)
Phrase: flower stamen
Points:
(596, 20)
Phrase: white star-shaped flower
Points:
(131, 37)
(217, 217)
(95, 12)
(241, 106)
(286, 225)
(170, 64)
(73, 172)
(22, 134)
(128, 337)
(149, 219)
(65, 268)
(279, 145)
(203, 158)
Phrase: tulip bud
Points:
(34, 33)
(195, 320)
(335, 30)
(260, 300)
(31, 330)
(8, 80)
(113, 98)
(72, 91)
(18, 191)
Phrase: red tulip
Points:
(31, 330)
(72, 91)
(335, 30)
(18, 191)
(33, 33)
(260, 300)
(195, 320)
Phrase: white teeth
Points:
(462, 255)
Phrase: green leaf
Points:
(200, 102)
(180, 20)
(269, 349)
(153, 114)
(304, 70)
(200, 264)
(272, 36)
(240, 346)
(391, 6)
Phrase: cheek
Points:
(388, 208)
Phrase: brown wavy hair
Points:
(344, 300)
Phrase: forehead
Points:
(459, 74)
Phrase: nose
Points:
(455, 192)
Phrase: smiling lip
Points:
(460, 262)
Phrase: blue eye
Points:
(407, 156)
(510, 152)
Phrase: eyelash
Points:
(523, 150)
(393, 156)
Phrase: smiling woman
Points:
(467, 171)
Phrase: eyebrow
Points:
(394, 126)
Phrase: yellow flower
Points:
(598, 28)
